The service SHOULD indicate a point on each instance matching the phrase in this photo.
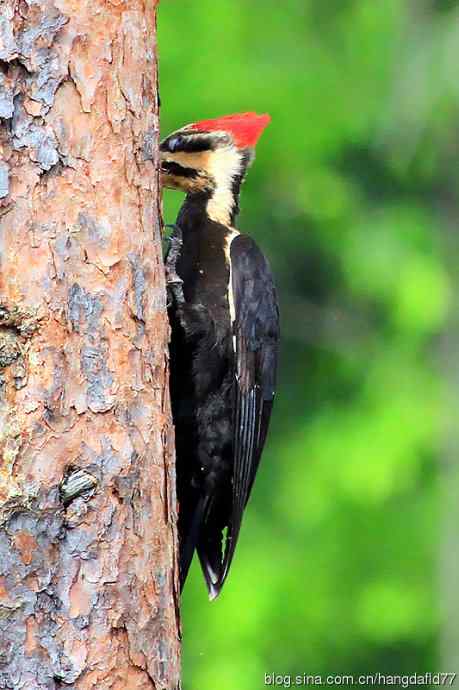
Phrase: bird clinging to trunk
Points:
(225, 334)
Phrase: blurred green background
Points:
(348, 555)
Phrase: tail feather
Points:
(191, 538)
(209, 552)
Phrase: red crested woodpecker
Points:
(225, 337)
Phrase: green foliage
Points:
(335, 568)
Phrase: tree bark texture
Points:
(88, 577)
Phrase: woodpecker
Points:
(224, 338)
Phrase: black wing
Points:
(256, 343)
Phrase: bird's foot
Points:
(175, 246)
(174, 286)
(173, 281)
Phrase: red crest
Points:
(246, 128)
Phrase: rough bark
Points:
(88, 585)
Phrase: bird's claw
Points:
(174, 286)
(173, 281)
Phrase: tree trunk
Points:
(88, 577)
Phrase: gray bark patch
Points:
(31, 532)
(8, 46)
(38, 139)
(150, 142)
(84, 312)
(96, 231)
(93, 365)
(138, 278)
(4, 180)
(83, 308)
(33, 47)
(6, 97)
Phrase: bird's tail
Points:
(189, 541)
(209, 552)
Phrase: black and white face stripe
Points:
(247, 157)
(194, 142)
(187, 144)
(206, 162)
(172, 168)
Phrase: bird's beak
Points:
(167, 179)
(162, 160)
(164, 171)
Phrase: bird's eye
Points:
(175, 143)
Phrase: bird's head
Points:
(212, 157)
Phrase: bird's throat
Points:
(220, 205)
(220, 202)
(223, 206)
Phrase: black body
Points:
(222, 381)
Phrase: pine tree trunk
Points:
(88, 586)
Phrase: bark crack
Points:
(16, 327)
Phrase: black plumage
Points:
(224, 349)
